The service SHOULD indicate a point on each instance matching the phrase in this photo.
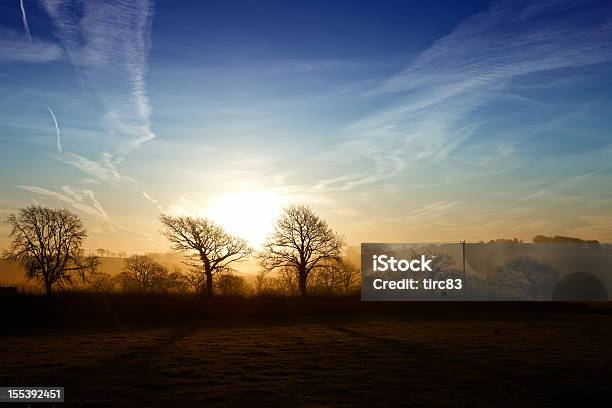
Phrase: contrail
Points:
(154, 201)
(97, 205)
(24, 17)
(57, 131)
(148, 197)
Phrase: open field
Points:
(458, 356)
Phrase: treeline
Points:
(143, 274)
(558, 239)
(303, 255)
(542, 239)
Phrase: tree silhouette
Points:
(326, 278)
(528, 276)
(195, 278)
(145, 273)
(443, 265)
(177, 281)
(229, 283)
(349, 276)
(302, 242)
(48, 244)
(205, 242)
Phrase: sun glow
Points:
(249, 215)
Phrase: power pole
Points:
(463, 256)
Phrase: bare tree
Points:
(287, 278)
(195, 278)
(283, 281)
(145, 273)
(348, 275)
(48, 244)
(205, 242)
(177, 281)
(301, 241)
(101, 252)
(334, 276)
(443, 265)
(229, 283)
(97, 281)
(281, 284)
(261, 281)
(124, 282)
(326, 279)
(528, 276)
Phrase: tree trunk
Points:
(48, 287)
(209, 284)
(207, 288)
(303, 277)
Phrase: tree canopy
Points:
(48, 243)
(205, 242)
(302, 242)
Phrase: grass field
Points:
(464, 358)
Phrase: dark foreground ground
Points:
(455, 356)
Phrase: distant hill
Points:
(558, 239)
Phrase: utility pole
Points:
(463, 256)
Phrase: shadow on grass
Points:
(117, 311)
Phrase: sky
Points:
(397, 122)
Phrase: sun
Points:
(249, 215)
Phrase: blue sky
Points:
(433, 121)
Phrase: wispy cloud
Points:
(104, 169)
(347, 212)
(15, 48)
(507, 40)
(148, 197)
(24, 19)
(57, 131)
(536, 194)
(108, 43)
(95, 203)
(434, 208)
(582, 177)
(428, 116)
(154, 201)
(84, 201)
(75, 195)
